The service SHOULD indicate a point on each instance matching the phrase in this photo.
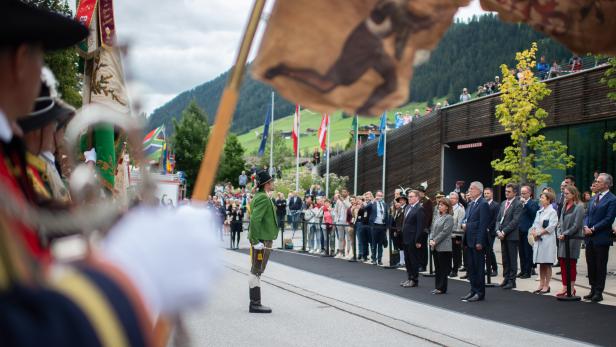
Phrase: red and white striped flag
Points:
(323, 131)
(295, 132)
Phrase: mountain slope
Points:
(469, 54)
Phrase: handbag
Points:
(531, 239)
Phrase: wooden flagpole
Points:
(226, 108)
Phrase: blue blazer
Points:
(372, 211)
(601, 218)
(478, 218)
(529, 212)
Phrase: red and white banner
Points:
(296, 131)
(323, 131)
(85, 12)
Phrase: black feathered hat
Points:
(23, 23)
(263, 177)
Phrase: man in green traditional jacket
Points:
(263, 229)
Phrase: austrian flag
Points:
(323, 131)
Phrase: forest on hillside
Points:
(469, 54)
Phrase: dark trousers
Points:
(596, 258)
(412, 258)
(363, 235)
(456, 253)
(235, 235)
(424, 249)
(526, 254)
(491, 255)
(377, 235)
(510, 260)
(476, 271)
(442, 262)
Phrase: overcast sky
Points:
(176, 45)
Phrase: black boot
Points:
(255, 302)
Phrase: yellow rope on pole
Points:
(224, 114)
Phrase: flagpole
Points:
(272, 139)
(356, 130)
(299, 110)
(384, 156)
(327, 161)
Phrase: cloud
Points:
(175, 45)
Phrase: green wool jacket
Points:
(263, 223)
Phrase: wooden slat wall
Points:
(414, 150)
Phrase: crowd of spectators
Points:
(531, 231)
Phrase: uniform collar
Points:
(6, 133)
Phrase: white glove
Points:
(170, 255)
(259, 246)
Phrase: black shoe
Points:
(467, 296)
(533, 273)
(525, 276)
(474, 298)
(503, 283)
(589, 296)
(509, 285)
(520, 275)
(494, 273)
(421, 269)
(258, 308)
(380, 263)
(598, 297)
(453, 274)
(465, 276)
(462, 269)
(558, 273)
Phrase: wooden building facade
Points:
(458, 142)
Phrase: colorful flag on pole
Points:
(323, 131)
(382, 128)
(296, 131)
(153, 144)
(266, 125)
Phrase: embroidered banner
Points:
(357, 57)
(87, 15)
(107, 23)
(582, 25)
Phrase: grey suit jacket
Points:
(571, 223)
(507, 222)
(441, 232)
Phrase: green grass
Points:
(340, 127)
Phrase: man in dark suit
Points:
(295, 207)
(477, 221)
(488, 195)
(597, 232)
(428, 209)
(377, 216)
(507, 231)
(529, 212)
(412, 230)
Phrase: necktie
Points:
(507, 204)
(597, 199)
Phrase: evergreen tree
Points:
(189, 141)
(232, 162)
(63, 63)
(531, 155)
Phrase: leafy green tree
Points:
(283, 155)
(530, 156)
(611, 83)
(232, 162)
(63, 63)
(189, 141)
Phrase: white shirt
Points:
(6, 133)
(380, 211)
